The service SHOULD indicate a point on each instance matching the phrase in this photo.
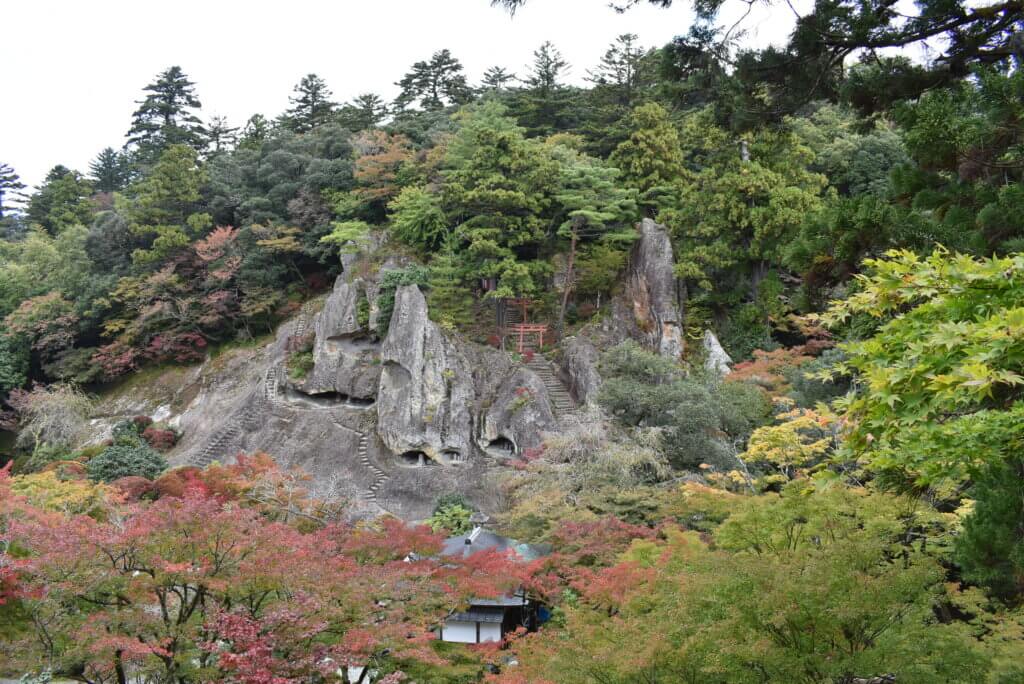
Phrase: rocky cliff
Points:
(391, 424)
(345, 357)
(426, 391)
(649, 307)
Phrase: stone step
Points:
(558, 394)
(379, 476)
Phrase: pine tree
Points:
(450, 299)
(546, 98)
(548, 68)
(311, 106)
(733, 217)
(497, 78)
(499, 184)
(167, 116)
(594, 205)
(256, 130)
(621, 81)
(651, 159)
(435, 84)
(364, 111)
(220, 136)
(61, 201)
(163, 211)
(109, 172)
(10, 189)
(622, 71)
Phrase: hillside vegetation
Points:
(842, 503)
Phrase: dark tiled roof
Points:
(482, 540)
(516, 599)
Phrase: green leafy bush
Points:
(701, 417)
(451, 519)
(300, 364)
(121, 461)
(742, 408)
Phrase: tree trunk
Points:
(567, 287)
(122, 678)
(759, 273)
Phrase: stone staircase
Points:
(512, 315)
(303, 320)
(272, 385)
(379, 476)
(268, 394)
(562, 402)
(243, 420)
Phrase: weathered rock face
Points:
(373, 288)
(340, 315)
(578, 362)
(716, 359)
(517, 417)
(345, 358)
(426, 391)
(652, 292)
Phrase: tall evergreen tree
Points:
(167, 116)
(10, 189)
(548, 68)
(622, 71)
(61, 201)
(497, 186)
(220, 136)
(311, 106)
(733, 218)
(650, 159)
(434, 84)
(362, 112)
(165, 210)
(108, 170)
(594, 206)
(255, 131)
(622, 79)
(545, 101)
(449, 298)
(497, 78)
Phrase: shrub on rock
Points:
(121, 461)
(161, 440)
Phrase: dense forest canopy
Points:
(847, 505)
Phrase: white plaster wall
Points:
(460, 632)
(490, 631)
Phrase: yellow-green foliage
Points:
(941, 377)
(72, 497)
(801, 438)
(811, 586)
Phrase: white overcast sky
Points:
(77, 68)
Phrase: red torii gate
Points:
(523, 330)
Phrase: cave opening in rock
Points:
(502, 445)
(416, 459)
(453, 456)
(327, 398)
(330, 399)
